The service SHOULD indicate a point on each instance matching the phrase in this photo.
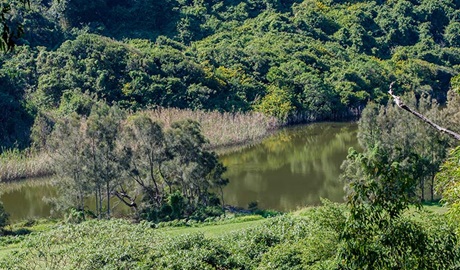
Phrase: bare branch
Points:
(403, 106)
(126, 199)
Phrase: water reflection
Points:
(24, 200)
(294, 168)
(32, 199)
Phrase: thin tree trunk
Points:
(422, 187)
(152, 177)
(99, 211)
(108, 199)
(164, 179)
(97, 203)
(222, 199)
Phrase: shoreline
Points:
(18, 166)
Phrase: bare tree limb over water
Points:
(403, 106)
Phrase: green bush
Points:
(427, 242)
(285, 256)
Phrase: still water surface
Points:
(294, 167)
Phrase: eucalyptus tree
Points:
(142, 151)
(170, 169)
(68, 146)
(405, 139)
(193, 169)
(84, 157)
(381, 186)
(102, 165)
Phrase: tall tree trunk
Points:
(422, 188)
(222, 199)
(99, 211)
(108, 199)
(97, 202)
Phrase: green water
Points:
(294, 167)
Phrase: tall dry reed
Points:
(221, 129)
(15, 164)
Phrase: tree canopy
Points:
(296, 60)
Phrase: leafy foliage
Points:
(448, 181)
(10, 30)
(3, 217)
(308, 241)
(382, 184)
(105, 155)
(399, 243)
(297, 60)
(404, 139)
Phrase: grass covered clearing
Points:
(213, 230)
(308, 236)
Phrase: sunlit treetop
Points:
(8, 32)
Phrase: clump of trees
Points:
(378, 234)
(232, 56)
(399, 137)
(388, 177)
(161, 174)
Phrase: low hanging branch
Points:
(403, 106)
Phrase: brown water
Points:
(293, 168)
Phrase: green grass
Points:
(431, 207)
(251, 240)
(435, 207)
(211, 230)
(12, 243)
(215, 229)
(6, 251)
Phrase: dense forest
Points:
(296, 60)
(89, 83)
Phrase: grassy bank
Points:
(221, 129)
(305, 239)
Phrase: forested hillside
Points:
(127, 99)
(296, 60)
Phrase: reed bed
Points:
(221, 129)
(15, 164)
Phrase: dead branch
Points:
(403, 106)
(125, 198)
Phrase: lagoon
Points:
(292, 168)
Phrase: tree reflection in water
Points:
(293, 168)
